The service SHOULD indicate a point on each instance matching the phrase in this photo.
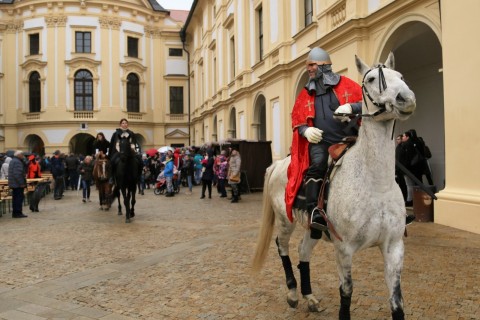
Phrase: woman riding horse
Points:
(126, 167)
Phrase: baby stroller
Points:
(161, 184)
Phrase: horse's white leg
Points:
(393, 260)
(282, 241)
(305, 249)
(344, 268)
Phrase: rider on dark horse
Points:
(123, 133)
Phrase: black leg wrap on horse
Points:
(304, 268)
(345, 302)
(398, 314)
(290, 277)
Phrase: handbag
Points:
(417, 159)
(235, 178)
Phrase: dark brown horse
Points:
(102, 173)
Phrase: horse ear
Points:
(390, 63)
(361, 66)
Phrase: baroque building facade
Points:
(70, 69)
(247, 65)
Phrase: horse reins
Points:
(382, 86)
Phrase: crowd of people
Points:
(190, 166)
(186, 166)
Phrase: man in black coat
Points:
(17, 181)
(58, 173)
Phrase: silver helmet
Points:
(318, 56)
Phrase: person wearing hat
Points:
(17, 182)
(317, 125)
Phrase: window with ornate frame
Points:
(83, 42)
(83, 90)
(132, 47)
(308, 9)
(176, 100)
(34, 43)
(260, 32)
(34, 92)
(133, 93)
(175, 52)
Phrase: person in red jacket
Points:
(317, 123)
(34, 170)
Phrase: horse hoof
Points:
(315, 308)
(292, 303)
(127, 220)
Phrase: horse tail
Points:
(268, 222)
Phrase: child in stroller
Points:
(161, 184)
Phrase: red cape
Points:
(303, 114)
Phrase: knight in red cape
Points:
(317, 123)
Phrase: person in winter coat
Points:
(221, 170)
(85, 169)
(4, 170)
(168, 174)
(58, 173)
(207, 176)
(17, 182)
(197, 159)
(234, 175)
(34, 170)
(187, 171)
(101, 144)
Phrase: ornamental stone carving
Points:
(152, 32)
(14, 26)
(110, 23)
(56, 20)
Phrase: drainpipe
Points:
(188, 87)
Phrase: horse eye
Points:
(371, 79)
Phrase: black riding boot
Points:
(312, 188)
(409, 219)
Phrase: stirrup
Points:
(409, 219)
(315, 225)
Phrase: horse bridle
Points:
(382, 86)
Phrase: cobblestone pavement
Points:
(186, 258)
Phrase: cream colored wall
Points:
(459, 202)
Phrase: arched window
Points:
(34, 92)
(133, 93)
(83, 91)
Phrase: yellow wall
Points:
(459, 202)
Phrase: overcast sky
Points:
(176, 4)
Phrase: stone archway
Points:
(82, 143)
(260, 119)
(418, 56)
(35, 144)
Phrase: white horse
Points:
(365, 204)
